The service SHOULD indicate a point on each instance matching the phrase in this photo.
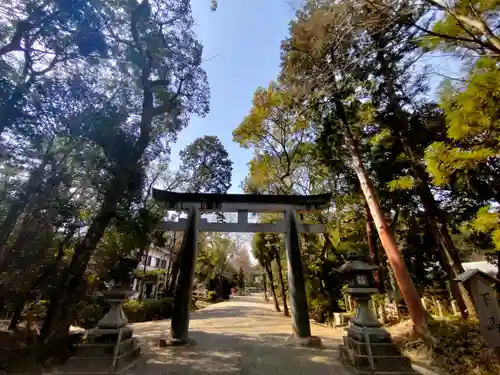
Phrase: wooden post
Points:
(454, 307)
(439, 306)
(424, 304)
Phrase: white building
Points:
(155, 259)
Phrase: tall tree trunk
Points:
(417, 313)
(71, 279)
(498, 269)
(16, 316)
(450, 258)
(264, 285)
(174, 274)
(145, 251)
(51, 269)
(271, 285)
(371, 240)
(398, 121)
(19, 205)
(167, 275)
(282, 283)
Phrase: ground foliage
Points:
(458, 349)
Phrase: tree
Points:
(241, 279)
(333, 28)
(391, 94)
(275, 246)
(205, 166)
(468, 158)
(38, 38)
(265, 257)
(279, 137)
(163, 109)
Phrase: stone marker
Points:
(478, 284)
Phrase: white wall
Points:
(154, 260)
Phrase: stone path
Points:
(241, 336)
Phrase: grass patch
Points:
(459, 348)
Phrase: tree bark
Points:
(141, 286)
(271, 285)
(71, 279)
(18, 206)
(174, 274)
(264, 285)
(51, 269)
(498, 269)
(417, 313)
(371, 240)
(450, 257)
(282, 283)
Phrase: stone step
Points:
(381, 363)
(377, 349)
(380, 337)
(107, 350)
(355, 371)
(97, 365)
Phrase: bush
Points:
(212, 296)
(318, 309)
(90, 311)
(148, 310)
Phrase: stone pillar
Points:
(296, 286)
(183, 293)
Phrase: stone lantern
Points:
(368, 348)
(110, 348)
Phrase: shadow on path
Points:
(217, 353)
(241, 336)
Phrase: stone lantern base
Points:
(110, 348)
(371, 351)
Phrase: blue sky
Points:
(241, 51)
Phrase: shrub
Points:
(148, 310)
(212, 296)
(318, 309)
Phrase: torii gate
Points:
(195, 204)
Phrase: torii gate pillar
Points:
(296, 284)
(184, 290)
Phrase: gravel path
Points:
(241, 336)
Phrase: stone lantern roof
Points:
(354, 266)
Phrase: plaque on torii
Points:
(242, 204)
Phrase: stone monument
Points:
(479, 286)
(368, 348)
